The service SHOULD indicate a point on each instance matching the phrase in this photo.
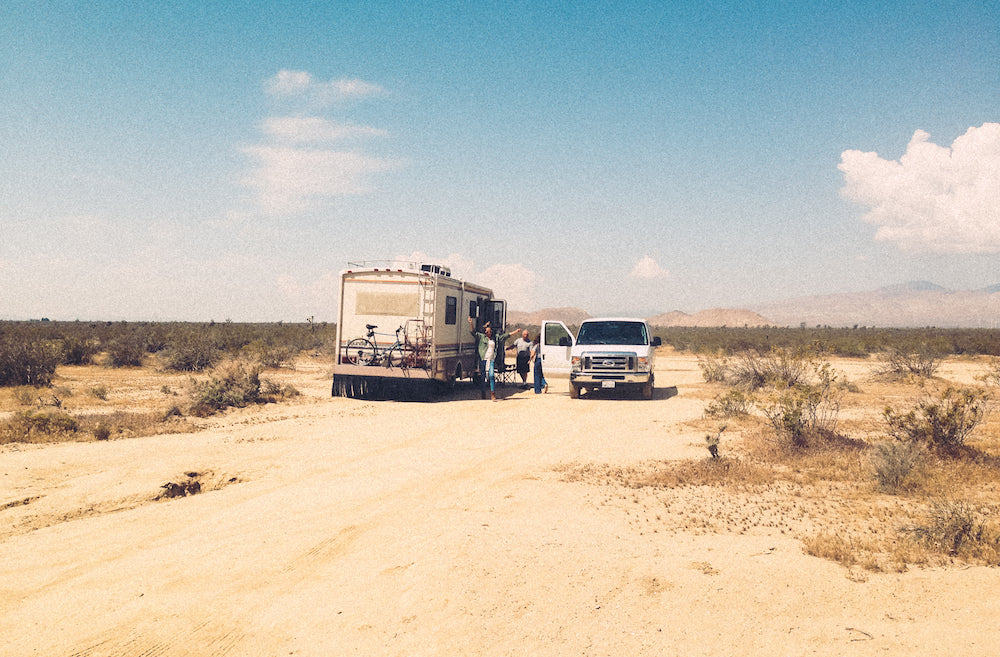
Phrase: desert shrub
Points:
(991, 376)
(102, 431)
(920, 359)
(270, 356)
(944, 421)
(78, 351)
(126, 350)
(27, 361)
(778, 368)
(956, 528)
(42, 425)
(894, 461)
(732, 403)
(804, 411)
(191, 352)
(233, 384)
(714, 368)
(99, 392)
(832, 547)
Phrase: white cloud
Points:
(934, 199)
(647, 269)
(297, 165)
(513, 282)
(302, 84)
(289, 179)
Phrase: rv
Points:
(403, 326)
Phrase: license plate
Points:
(607, 384)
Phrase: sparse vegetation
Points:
(26, 360)
(943, 421)
(919, 360)
(731, 404)
(958, 529)
(894, 462)
(235, 384)
(867, 502)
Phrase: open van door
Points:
(557, 343)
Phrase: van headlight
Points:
(576, 364)
(642, 364)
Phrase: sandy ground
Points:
(332, 526)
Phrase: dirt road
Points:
(346, 527)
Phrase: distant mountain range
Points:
(913, 304)
(917, 303)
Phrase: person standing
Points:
(487, 347)
(541, 385)
(523, 346)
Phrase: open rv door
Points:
(557, 344)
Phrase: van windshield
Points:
(613, 333)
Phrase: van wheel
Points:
(574, 391)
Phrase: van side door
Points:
(557, 344)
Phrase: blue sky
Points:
(224, 160)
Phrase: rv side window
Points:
(472, 309)
(451, 310)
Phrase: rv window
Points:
(451, 310)
(472, 309)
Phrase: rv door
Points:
(557, 343)
(496, 313)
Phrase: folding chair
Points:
(505, 373)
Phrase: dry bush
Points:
(235, 384)
(920, 360)
(38, 426)
(958, 529)
(51, 425)
(894, 462)
(991, 377)
(804, 413)
(714, 368)
(941, 421)
(778, 368)
(270, 356)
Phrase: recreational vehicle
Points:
(403, 325)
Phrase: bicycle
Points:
(365, 351)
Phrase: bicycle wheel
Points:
(400, 356)
(360, 352)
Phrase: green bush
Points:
(732, 403)
(943, 422)
(125, 351)
(27, 361)
(191, 353)
(78, 351)
(805, 412)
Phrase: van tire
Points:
(574, 391)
